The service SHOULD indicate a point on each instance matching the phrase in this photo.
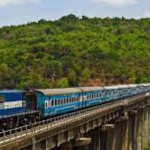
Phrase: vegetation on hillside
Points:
(75, 51)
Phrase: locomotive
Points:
(18, 108)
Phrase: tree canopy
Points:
(75, 51)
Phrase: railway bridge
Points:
(117, 125)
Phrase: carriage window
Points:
(1, 105)
(52, 102)
(61, 101)
(46, 104)
(2, 98)
(23, 103)
(56, 102)
(64, 101)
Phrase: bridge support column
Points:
(144, 128)
(120, 139)
(33, 143)
(149, 125)
(134, 145)
(132, 130)
(139, 130)
(96, 139)
(124, 134)
(107, 137)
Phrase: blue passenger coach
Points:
(91, 95)
(11, 102)
(58, 101)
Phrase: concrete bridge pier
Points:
(108, 134)
(96, 139)
(144, 126)
(119, 137)
(148, 109)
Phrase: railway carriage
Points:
(13, 111)
(133, 89)
(146, 87)
(112, 93)
(124, 91)
(92, 95)
(51, 102)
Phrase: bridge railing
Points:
(46, 125)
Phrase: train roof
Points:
(145, 84)
(123, 86)
(132, 85)
(61, 91)
(88, 89)
(11, 91)
(116, 87)
(111, 87)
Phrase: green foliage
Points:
(63, 83)
(73, 51)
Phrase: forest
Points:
(75, 51)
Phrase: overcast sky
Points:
(14, 12)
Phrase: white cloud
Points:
(147, 14)
(116, 2)
(9, 2)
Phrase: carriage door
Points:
(31, 102)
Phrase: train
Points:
(21, 107)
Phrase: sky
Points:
(14, 12)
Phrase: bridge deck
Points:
(56, 124)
